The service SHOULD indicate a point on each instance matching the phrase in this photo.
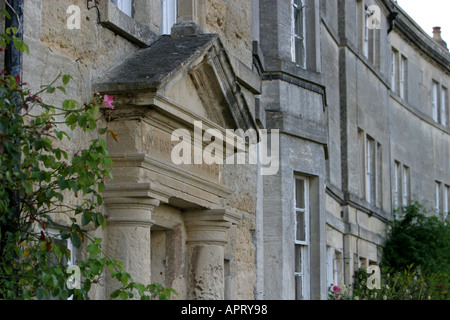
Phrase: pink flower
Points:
(336, 288)
(108, 100)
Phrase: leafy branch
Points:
(41, 182)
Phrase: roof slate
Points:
(150, 68)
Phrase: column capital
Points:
(208, 226)
(130, 210)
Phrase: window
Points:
(334, 267)
(298, 33)
(168, 15)
(435, 100)
(439, 97)
(405, 187)
(371, 169)
(402, 189)
(53, 260)
(444, 116)
(366, 33)
(301, 216)
(437, 197)
(368, 36)
(403, 76)
(445, 204)
(397, 184)
(125, 5)
(363, 32)
(441, 199)
(394, 70)
(399, 74)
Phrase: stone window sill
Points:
(122, 24)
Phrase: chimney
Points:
(437, 37)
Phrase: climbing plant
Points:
(42, 183)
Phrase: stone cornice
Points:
(409, 29)
(145, 161)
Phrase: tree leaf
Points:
(114, 135)
(62, 89)
(123, 295)
(76, 241)
(28, 187)
(66, 78)
(6, 13)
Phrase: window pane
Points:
(125, 5)
(299, 288)
(444, 102)
(403, 78)
(300, 194)
(169, 15)
(437, 204)
(300, 222)
(435, 101)
(298, 27)
(298, 259)
(446, 194)
(394, 71)
(405, 186)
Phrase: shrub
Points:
(415, 263)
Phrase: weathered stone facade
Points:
(356, 138)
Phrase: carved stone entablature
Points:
(173, 85)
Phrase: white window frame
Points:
(445, 202)
(444, 106)
(394, 69)
(397, 167)
(366, 40)
(169, 15)
(437, 197)
(126, 6)
(435, 100)
(405, 186)
(403, 76)
(370, 167)
(298, 57)
(55, 234)
(332, 267)
(303, 245)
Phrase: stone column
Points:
(128, 237)
(206, 238)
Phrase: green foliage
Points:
(415, 263)
(419, 239)
(406, 284)
(41, 181)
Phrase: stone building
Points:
(351, 94)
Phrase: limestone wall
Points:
(87, 54)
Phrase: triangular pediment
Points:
(193, 72)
